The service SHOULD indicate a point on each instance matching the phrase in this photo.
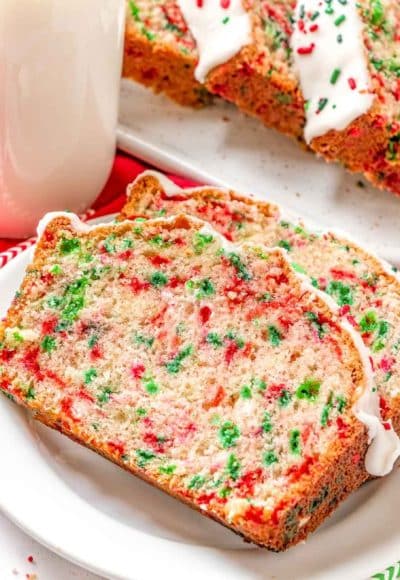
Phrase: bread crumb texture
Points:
(207, 370)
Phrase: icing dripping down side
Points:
(220, 27)
(384, 443)
(329, 60)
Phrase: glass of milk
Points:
(60, 68)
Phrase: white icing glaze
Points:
(77, 224)
(169, 187)
(384, 444)
(330, 71)
(220, 28)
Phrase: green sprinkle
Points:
(335, 76)
(266, 424)
(284, 398)
(369, 322)
(69, 245)
(175, 365)
(196, 482)
(270, 458)
(109, 245)
(205, 288)
(313, 318)
(294, 442)
(48, 343)
(127, 243)
(54, 302)
(200, 241)
(17, 337)
(56, 270)
(233, 466)
(141, 412)
(158, 279)
(326, 411)
(159, 242)
(285, 244)
(224, 492)
(144, 456)
(89, 376)
(377, 12)
(377, 63)
(239, 266)
(134, 9)
(274, 335)
(93, 340)
(340, 20)
(341, 404)
(246, 393)
(266, 297)
(149, 35)
(322, 104)
(214, 339)
(167, 469)
(383, 328)
(231, 335)
(146, 340)
(258, 384)
(341, 292)
(104, 395)
(228, 434)
(150, 385)
(30, 394)
(309, 390)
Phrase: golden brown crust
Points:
(141, 192)
(162, 68)
(320, 493)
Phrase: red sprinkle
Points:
(352, 83)
(137, 370)
(205, 313)
(30, 559)
(116, 447)
(231, 350)
(306, 49)
(225, 4)
(314, 28)
(255, 514)
(387, 426)
(138, 285)
(159, 260)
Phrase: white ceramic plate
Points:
(95, 514)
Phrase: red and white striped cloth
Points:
(111, 200)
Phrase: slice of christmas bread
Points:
(366, 289)
(327, 74)
(211, 370)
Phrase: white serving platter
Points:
(98, 516)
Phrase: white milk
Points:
(60, 67)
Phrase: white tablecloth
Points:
(15, 549)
